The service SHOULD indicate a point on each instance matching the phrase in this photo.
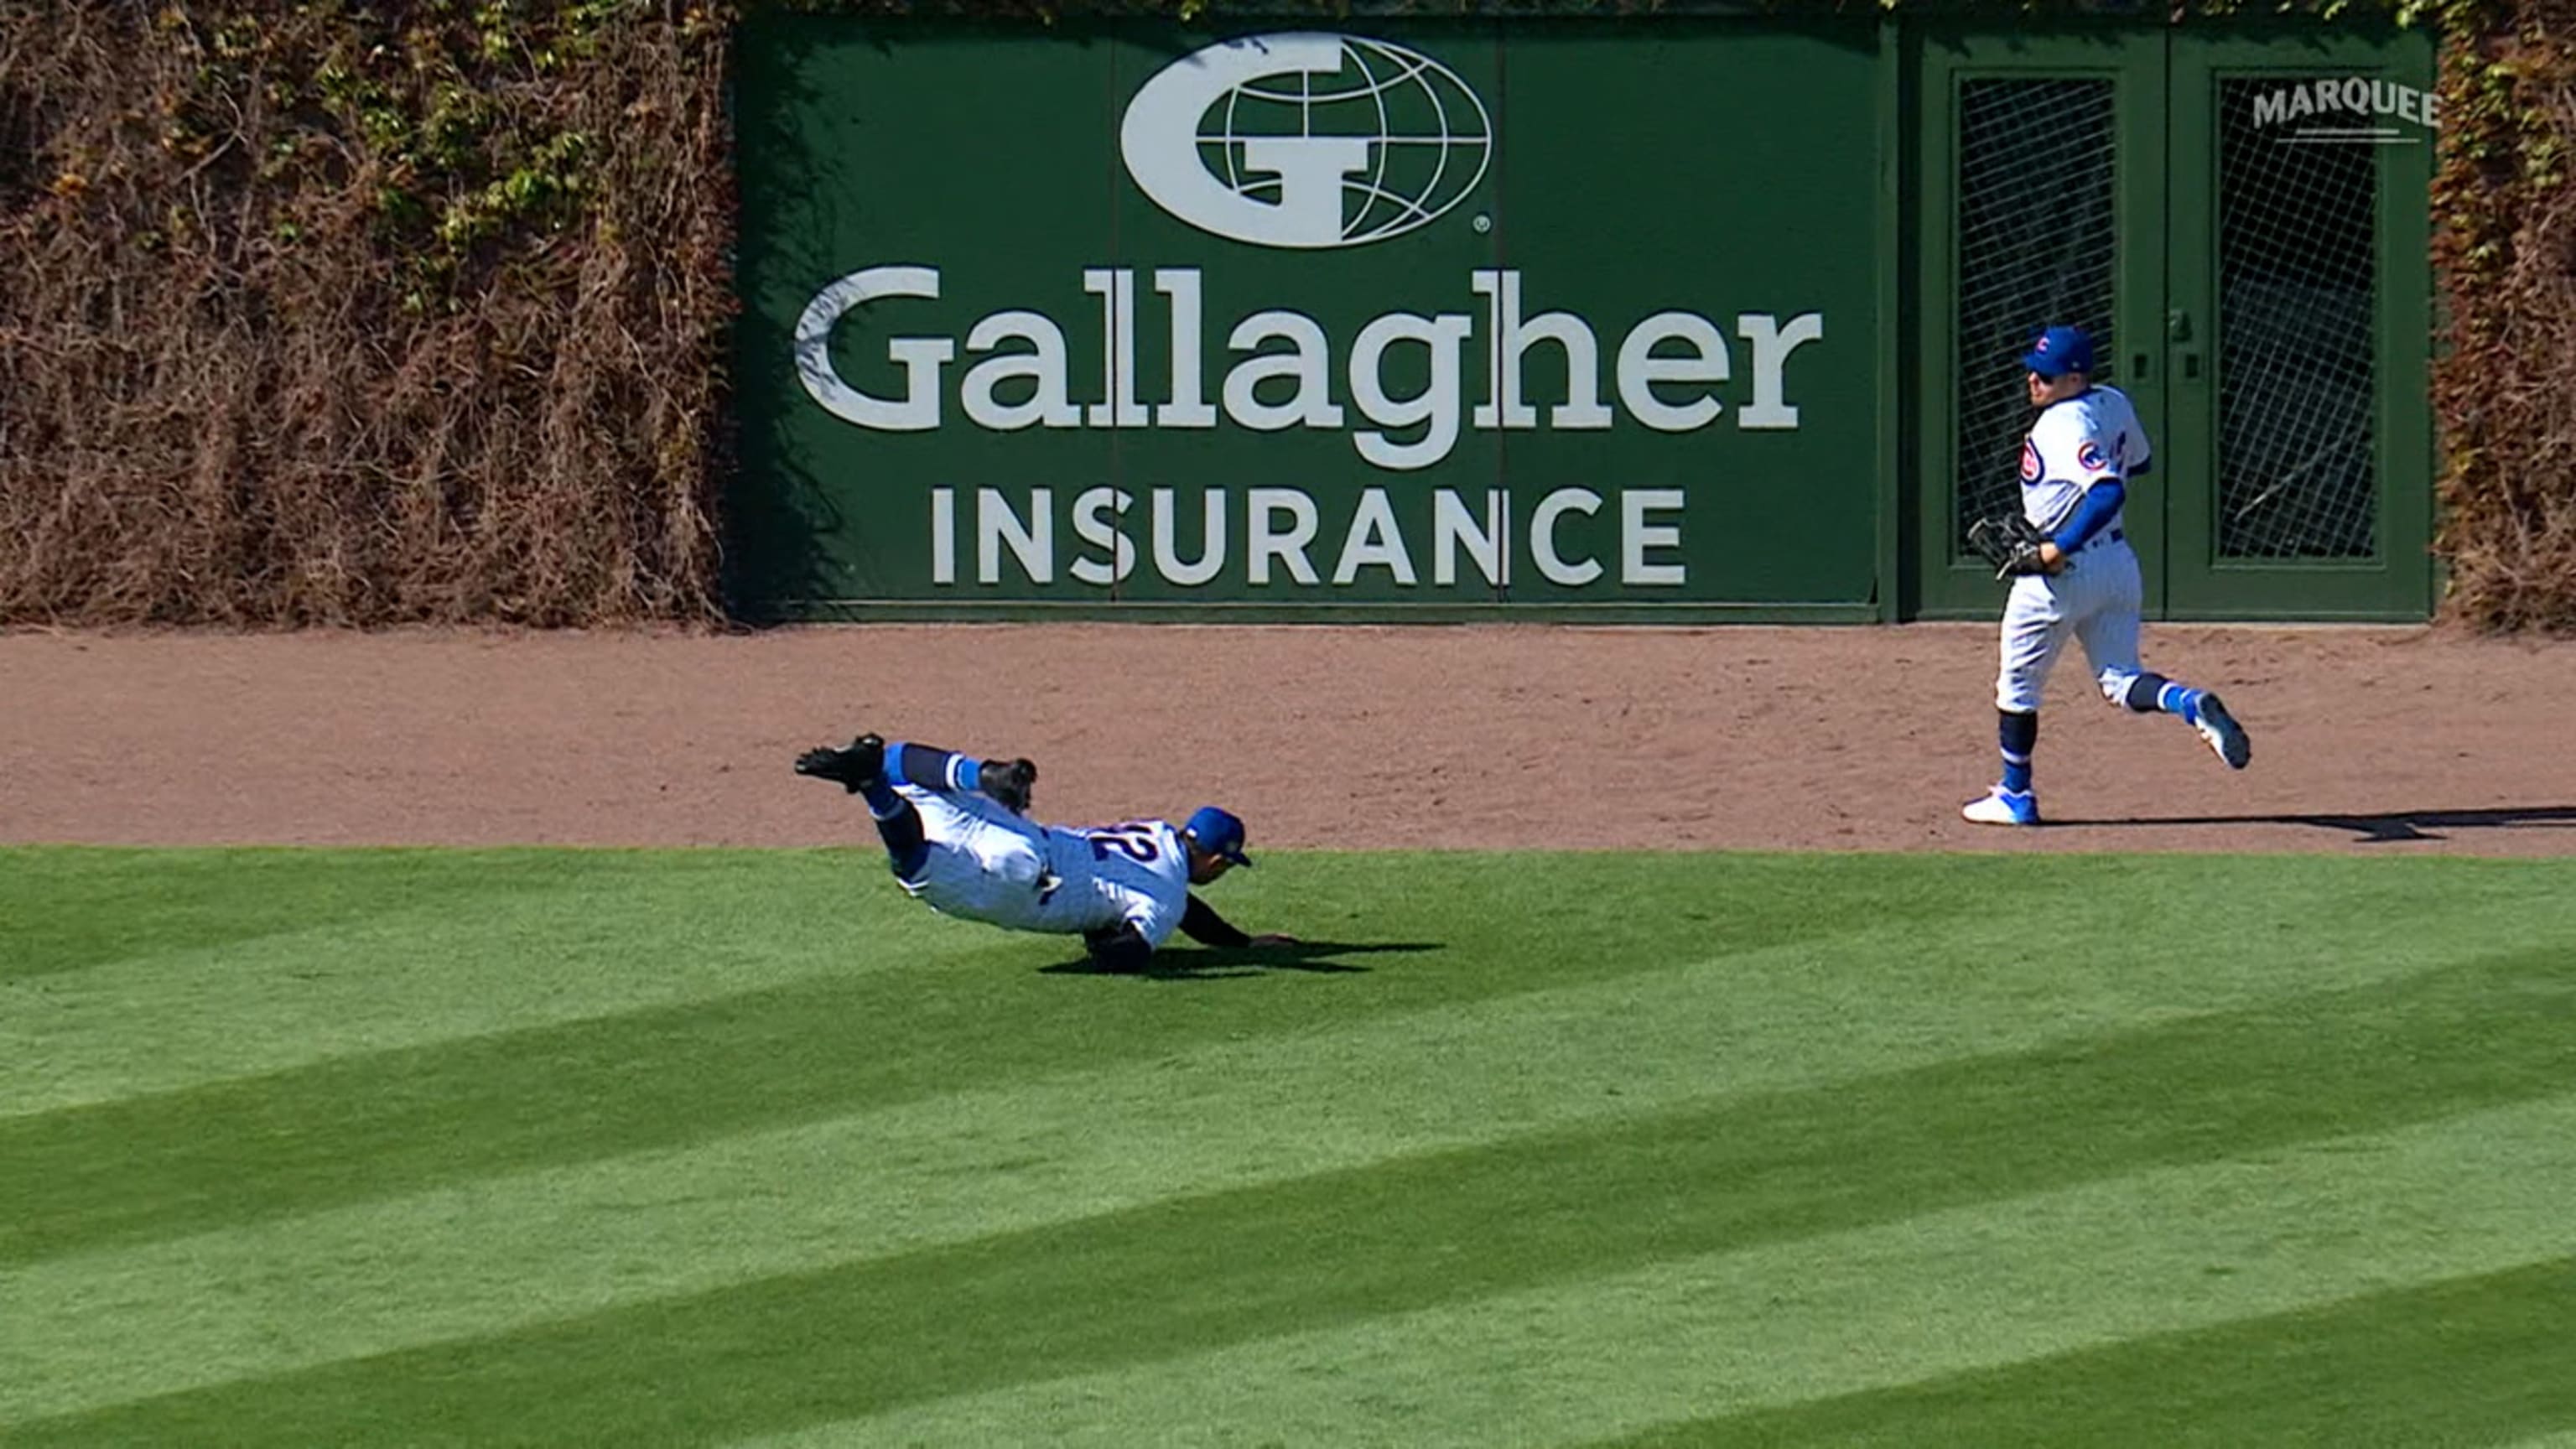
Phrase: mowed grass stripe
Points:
(1969, 1291)
(72, 908)
(1418, 1232)
(201, 966)
(501, 1253)
(248, 976)
(490, 943)
(355, 1129)
(2471, 1360)
(495, 1255)
(387, 1128)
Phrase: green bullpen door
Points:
(2298, 328)
(2254, 274)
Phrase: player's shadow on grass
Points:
(2374, 829)
(1212, 963)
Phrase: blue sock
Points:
(2180, 699)
(2019, 734)
(2155, 694)
(932, 768)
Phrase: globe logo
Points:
(1306, 140)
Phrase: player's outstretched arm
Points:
(1201, 923)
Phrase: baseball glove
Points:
(2010, 542)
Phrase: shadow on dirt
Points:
(2373, 829)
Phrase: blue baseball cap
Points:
(1218, 832)
(2059, 351)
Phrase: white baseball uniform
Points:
(2074, 444)
(987, 864)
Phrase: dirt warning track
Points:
(2370, 740)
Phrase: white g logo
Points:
(1304, 166)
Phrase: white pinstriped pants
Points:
(2097, 600)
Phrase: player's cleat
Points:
(2003, 807)
(1008, 781)
(2224, 734)
(853, 768)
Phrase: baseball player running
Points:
(956, 836)
(2080, 577)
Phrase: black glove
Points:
(1120, 948)
(2010, 542)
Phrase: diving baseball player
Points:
(958, 841)
(2073, 572)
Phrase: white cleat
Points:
(2003, 807)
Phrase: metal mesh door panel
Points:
(2036, 245)
(2297, 287)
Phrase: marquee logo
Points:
(2348, 110)
(1306, 140)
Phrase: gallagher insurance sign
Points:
(1343, 322)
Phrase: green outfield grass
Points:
(635, 1148)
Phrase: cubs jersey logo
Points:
(2089, 458)
(2029, 462)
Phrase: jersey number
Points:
(1136, 842)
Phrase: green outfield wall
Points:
(1696, 320)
